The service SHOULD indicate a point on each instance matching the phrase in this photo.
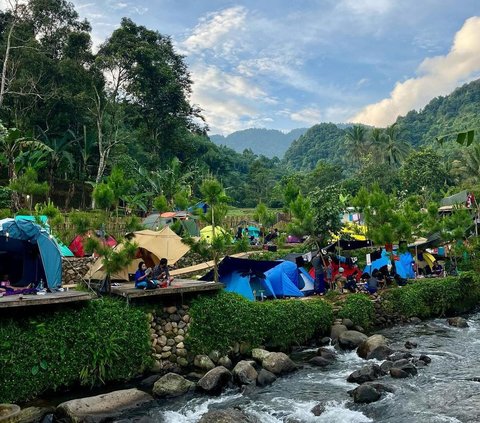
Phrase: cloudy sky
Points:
(285, 64)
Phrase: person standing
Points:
(319, 284)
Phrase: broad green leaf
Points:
(43, 364)
(35, 370)
(461, 137)
(470, 137)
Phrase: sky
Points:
(284, 64)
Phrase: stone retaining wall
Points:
(168, 328)
(75, 268)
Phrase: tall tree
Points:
(357, 142)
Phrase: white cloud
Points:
(366, 7)
(215, 29)
(437, 76)
(313, 115)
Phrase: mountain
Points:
(445, 115)
(268, 142)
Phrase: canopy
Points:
(152, 246)
(207, 232)
(29, 243)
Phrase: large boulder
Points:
(351, 339)
(365, 394)
(398, 373)
(336, 331)
(326, 353)
(399, 355)
(260, 354)
(265, 378)
(320, 361)
(172, 385)
(225, 362)
(100, 407)
(278, 363)
(348, 323)
(215, 380)
(203, 362)
(244, 373)
(229, 415)
(458, 322)
(365, 374)
(406, 366)
(380, 353)
(318, 409)
(371, 343)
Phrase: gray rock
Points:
(24, 415)
(348, 323)
(425, 358)
(398, 373)
(318, 409)
(214, 356)
(365, 394)
(172, 385)
(365, 374)
(410, 345)
(336, 330)
(399, 355)
(215, 380)
(326, 353)
(102, 406)
(265, 378)
(147, 383)
(359, 328)
(225, 362)
(458, 322)
(229, 415)
(170, 310)
(278, 363)
(182, 361)
(380, 387)
(244, 373)
(386, 366)
(406, 366)
(415, 320)
(351, 339)
(319, 361)
(380, 353)
(372, 342)
(324, 341)
(203, 362)
(259, 354)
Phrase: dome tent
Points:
(29, 253)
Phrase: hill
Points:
(268, 142)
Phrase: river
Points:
(441, 392)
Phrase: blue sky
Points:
(287, 64)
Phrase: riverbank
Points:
(108, 342)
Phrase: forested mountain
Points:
(268, 142)
(455, 112)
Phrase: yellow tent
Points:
(207, 232)
(152, 246)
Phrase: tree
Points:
(391, 150)
(214, 195)
(119, 185)
(27, 186)
(356, 142)
(303, 222)
(104, 196)
(327, 208)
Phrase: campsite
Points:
(239, 211)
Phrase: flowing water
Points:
(441, 392)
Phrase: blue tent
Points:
(253, 231)
(306, 283)
(384, 260)
(28, 253)
(243, 276)
(404, 267)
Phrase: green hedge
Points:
(359, 309)
(223, 319)
(99, 342)
(435, 297)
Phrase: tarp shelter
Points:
(207, 232)
(348, 245)
(77, 244)
(155, 221)
(64, 250)
(152, 246)
(243, 276)
(28, 253)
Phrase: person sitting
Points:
(143, 279)
(351, 283)
(372, 283)
(5, 284)
(339, 281)
(162, 274)
(239, 233)
(437, 269)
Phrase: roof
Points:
(458, 198)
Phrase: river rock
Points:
(410, 345)
(318, 409)
(348, 323)
(214, 356)
(244, 373)
(147, 383)
(351, 339)
(215, 380)
(365, 374)
(359, 328)
(229, 415)
(398, 373)
(425, 358)
(326, 353)
(458, 322)
(406, 366)
(415, 320)
(265, 378)
(380, 387)
(372, 342)
(182, 361)
(324, 341)
(203, 362)
(365, 394)
(225, 362)
(172, 385)
(386, 366)
(278, 363)
(259, 354)
(319, 361)
(28, 415)
(336, 331)
(380, 353)
(102, 406)
(399, 355)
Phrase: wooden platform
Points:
(179, 286)
(47, 299)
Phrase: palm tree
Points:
(356, 142)
(392, 150)
(469, 164)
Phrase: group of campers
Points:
(158, 277)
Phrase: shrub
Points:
(221, 320)
(92, 344)
(359, 309)
(435, 297)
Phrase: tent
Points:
(207, 233)
(77, 247)
(306, 283)
(28, 253)
(156, 221)
(200, 206)
(152, 246)
(253, 231)
(244, 276)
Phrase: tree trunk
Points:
(3, 82)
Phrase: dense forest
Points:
(73, 119)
